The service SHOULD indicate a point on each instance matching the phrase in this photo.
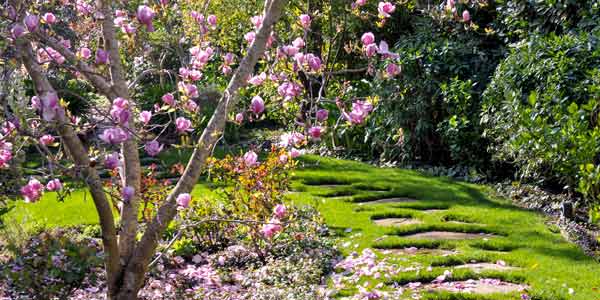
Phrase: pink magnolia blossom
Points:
(298, 43)
(367, 38)
(54, 185)
(249, 37)
(114, 135)
(145, 116)
(83, 7)
(49, 18)
(290, 50)
(385, 9)
(305, 21)
(466, 15)
(250, 158)
(239, 118)
(128, 193)
(384, 50)
(226, 70)
(46, 140)
(120, 111)
(32, 191)
(314, 62)
(32, 22)
(257, 105)
(289, 90)
(360, 111)
(111, 161)
(228, 58)
(84, 53)
(322, 114)
(256, 21)
(198, 17)
(17, 31)
(101, 57)
(183, 200)
(315, 132)
(153, 148)
(145, 15)
(450, 3)
(191, 106)
(189, 89)
(258, 79)
(283, 158)
(168, 99)
(212, 21)
(183, 125)
(273, 227)
(370, 50)
(392, 70)
(295, 153)
(49, 106)
(279, 211)
(359, 3)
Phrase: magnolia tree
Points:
(93, 42)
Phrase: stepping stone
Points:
(481, 267)
(481, 286)
(447, 235)
(389, 200)
(432, 211)
(465, 223)
(419, 251)
(397, 222)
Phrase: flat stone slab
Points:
(433, 211)
(447, 235)
(481, 286)
(419, 251)
(390, 200)
(481, 267)
(465, 223)
(397, 222)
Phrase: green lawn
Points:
(549, 264)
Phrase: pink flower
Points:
(250, 158)
(289, 90)
(212, 21)
(114, 135)
(315, 132)
(360, 111)
(314, 62)
(101, 57)
(466, 16)
(305, 21)
(145, 15)
(128, 193)
(168, 99)
(269, 230)
(256, 21)
(84, 53)
(258, 79)
(226, 70)
(295, 153)
(32, 191)
(370, 50)
(384, 50)
(283, 158)
(183, 200)
(120, 111)
(54, 185)
(112, 160)
(250, 36)
(47, 139)
(49, 18)
(17, 31)
(385, 9)
(359, 3)
(49, 106)
(239, 118)
(5, 157)
(191, 106)
(450, 3)
(228, 58)
(257, 105)
(183, 125)
(367, 38)
(392, 70)
(322, 114)
(299, 43)
(153, 148)
(280, 211)
(32, 22)
(145, 116)
(189, 89)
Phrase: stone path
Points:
(444, 282)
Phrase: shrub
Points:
(541, 110)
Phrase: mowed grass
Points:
(549, 265)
